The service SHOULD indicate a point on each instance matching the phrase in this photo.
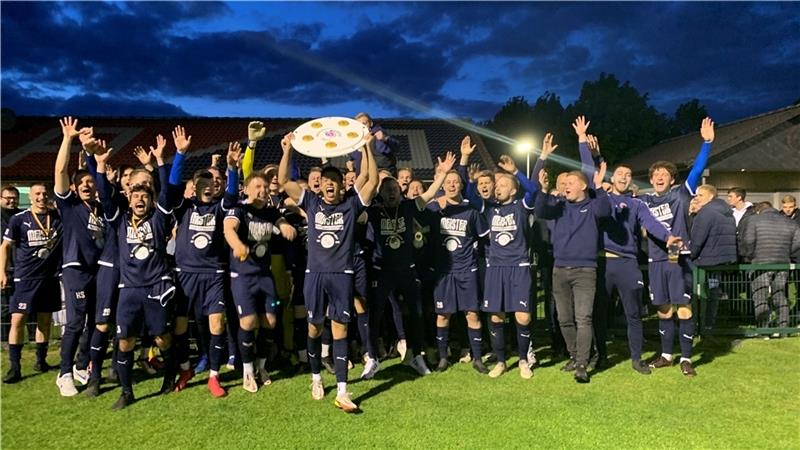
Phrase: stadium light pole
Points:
(526, 146)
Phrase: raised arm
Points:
(105, 191)
(234, 158)
(587, 162)
(463, 165)
(69, 128)
(255, 133)
(370, 187)
(547, 149)
(363, 171)
(292, 189)
(164, 169)
(696, 174)
(442, 168)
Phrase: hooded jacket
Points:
(713, 235)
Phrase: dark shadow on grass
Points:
(391, 376)
(712, 347)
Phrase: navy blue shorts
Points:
(507, 289)
(671, 283)
(208, 288)
(36, 296)
(328, 294)
(107, 294)
(457, 291)
(253, 294)
(360, 278)
(148, 305)
(80, 288)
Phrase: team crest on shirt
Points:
(328, 224)
(453, 228)
(142, 240)
(97, 230)
(203, 226)
(259, 233)
(503, 227)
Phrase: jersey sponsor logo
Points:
(452, 226)
(202, 222)
(259, 233)
(332, 222)
(392, 226)
(663, 213)
(503, 228)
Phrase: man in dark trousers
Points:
(576, 238)
(713, 242)
(770, 238)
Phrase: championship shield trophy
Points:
(329, 137)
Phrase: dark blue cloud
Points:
(739, 59)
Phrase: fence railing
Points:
(747, 299)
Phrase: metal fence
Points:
(747, 299)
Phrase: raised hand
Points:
(88, 142)
(145, 158)
(111, 173)
(544, 181)
(182, 142)
(507, 164)
(600, 175)
(580, 126)
(474, 170)
(158, 151)
(707, 129)
(215, 159)
(103, 152)
(234, 154)
(547, 146)
(445, 165)
(286, 142)
(256, 131)
(466, 146)
(594, 145)
(69, 127)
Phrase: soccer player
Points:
(201, 259)
(146, 287)
(617, 266)
(34, 235)
(670, 281)
(508, 279)
(393, 260)
(329, 276)
(456, 230)
(249, 230)
(84, 238)
(576, 242)
(8, 208)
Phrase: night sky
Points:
(393, 60)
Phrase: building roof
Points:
(768, 142)
(29, 148)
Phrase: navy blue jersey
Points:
(621, 231)
(200, 240)
(393, 233)
(297, 250)
(508, 233)
(141, 243)
(84, 229)
(256, 229)
(455, 234)
(671, 209)
(279, 243)
(37, 244)
(331, 232)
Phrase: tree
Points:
(621, 117)
(688, 117)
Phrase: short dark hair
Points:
(761, 206)
(124, 167)
(79, 174)
(202, 173)
(668, 166)
(740, 192)
(331, 172)
(620, 166)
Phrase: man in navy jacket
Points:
(576, 239)
(713, 242)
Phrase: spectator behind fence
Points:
(713, 243)
(789, 208)
(770, 238)
(740, 207)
